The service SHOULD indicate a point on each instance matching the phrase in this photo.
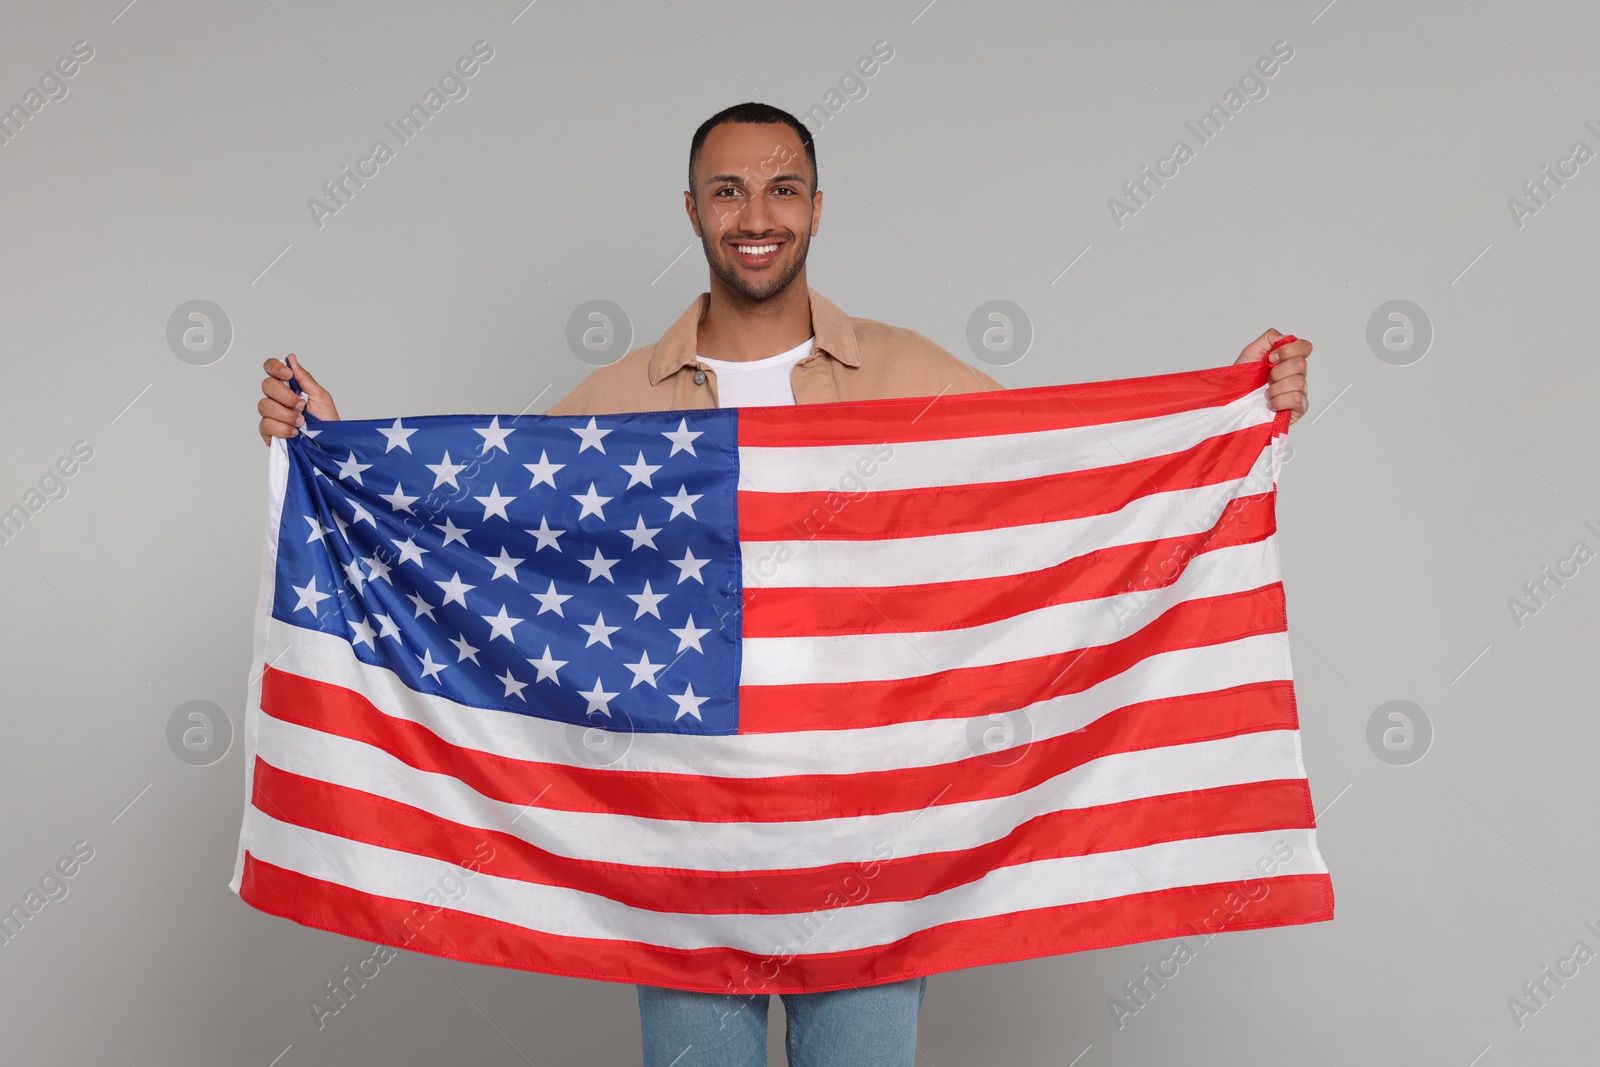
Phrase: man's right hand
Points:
(281, 410)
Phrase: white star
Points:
(547, 667)
(683, 503)
(593, 503)
(430, 669)
(362, 515)
(494, 503)
(599, 566)
(642, 535)
(598, 631)
(645, 671)
(398, 499)
(590, 436)
(352, 571)
(377, 569)
(545, 536)
(639, 472)
(688, 703)
(689, 567)
(552, 601)
(505, 565)
(500, 625)
(598, 699)
(543, 471)
(682, 438)
(351, 469)
(343, 524)
(465, 650)
(317, 529)
(398, 437)
(493, 437)
(689, 636)
(386, 627)
(445, 472)
(452, 532)
(422, 606)
(647, 602)
(410, 552)
(455, 589)
(313, 434)
(364, 634)
(513, 687)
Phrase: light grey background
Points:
(1418, 501)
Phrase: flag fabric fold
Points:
(783, 699)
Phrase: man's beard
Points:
(770, 284)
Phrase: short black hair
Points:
(759, 114)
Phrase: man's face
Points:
(754, 207)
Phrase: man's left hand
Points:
(1286, 386)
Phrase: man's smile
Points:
(758, 254)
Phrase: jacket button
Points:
(699, 377)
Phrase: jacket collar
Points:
(676, 348)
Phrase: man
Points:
(763, 336)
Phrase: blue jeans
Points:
(868, 1026)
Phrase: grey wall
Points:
(1422, 494)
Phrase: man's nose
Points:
(756, 216)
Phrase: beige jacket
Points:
(853, 359)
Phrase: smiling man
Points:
(763, 336)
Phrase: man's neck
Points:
(739, 330)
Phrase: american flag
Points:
(783, 699)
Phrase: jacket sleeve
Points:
(571, 404)
(968, 379)
(986, 383)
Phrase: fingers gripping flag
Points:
(783, 699)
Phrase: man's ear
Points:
(694, 216)
(816, 211)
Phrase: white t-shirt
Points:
(757, 382)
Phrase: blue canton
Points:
(579, 569)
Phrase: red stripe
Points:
(1043, 407)
(831, 515)
(1186, 912)
(818, 612)
(789, 798)
(348, 813)
(1001, 687)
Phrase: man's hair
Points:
(759, 114)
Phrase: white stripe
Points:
(1182, 672)
(264, 637)
(605, 837)
(573, 913)
(1005, 550)
(1050, 630)
(995, 457)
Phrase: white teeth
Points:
(757, 250)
